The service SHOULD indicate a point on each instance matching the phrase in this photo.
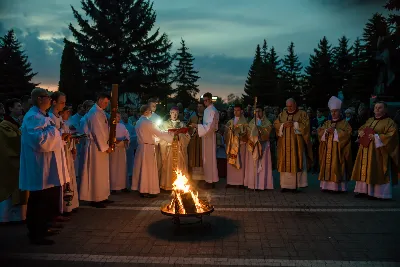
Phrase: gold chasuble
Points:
(257, 135)
(10, 147)
(166, 149)
(335, 152)
(234, 134)
(376, 166)
(293, 142)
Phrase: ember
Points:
(185, 200)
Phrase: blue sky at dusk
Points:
(221, 34)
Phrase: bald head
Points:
(291, 105)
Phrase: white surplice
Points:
(145, 170)
(41, 161)
(209, 143)
(95, 180)
(71, 170)
(118, 167)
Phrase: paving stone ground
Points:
(264, 228)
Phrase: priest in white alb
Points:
(118, 166)
(167, 151)
(95, 180)
(145, 170)
(258, 158)
(235, 141)
(207, 131)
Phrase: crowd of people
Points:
(53, 160)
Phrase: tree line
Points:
(116, 42)
(359, 69)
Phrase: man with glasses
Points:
(207, 131)
(40, 167)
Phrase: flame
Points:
(180, 187)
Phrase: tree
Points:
(320, 75)
(185, 75)
(271, 89)
(119, 45)
(343, 63)
(15, 70)
(376, 27)
(291, 73)
(233, 99)
(71, 79)
(356, 85)
(253, 86)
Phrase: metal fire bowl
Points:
(208, 211)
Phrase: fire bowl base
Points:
(198, 217)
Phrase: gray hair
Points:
(37, 92)
(291, 100)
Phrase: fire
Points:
(184, 199)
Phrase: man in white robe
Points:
(80, 128)
(58, 100)
(70, 154)
(130, 151)
(258, 158)
(41, 167)
(95, 180)
(145, 170)
(74, 120)
(235, 141)
(118, 167)
(209, 142)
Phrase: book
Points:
(178, 130)
(365, 141)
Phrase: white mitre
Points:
(334, 103)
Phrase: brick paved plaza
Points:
(263, 228)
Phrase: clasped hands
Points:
(288, 124)
(371, 136)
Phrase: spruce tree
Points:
(71, 79)
(15, 70)
(119, 45)
(271, 91)
(185, 75)
(376, 27)
(291, 73)
(356, 85)
(343, 63)
(320, 75)
(253, 86)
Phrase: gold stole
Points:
(262, 133)
(233, 135)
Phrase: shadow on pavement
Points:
(213, 227)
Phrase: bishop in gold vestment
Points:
(294, 146)
(235, 144)
(195, 153)
(376, 166)
(166, 149)
(335, 150)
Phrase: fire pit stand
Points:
(176, 218)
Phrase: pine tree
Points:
(71, 79)
(320, 75)
(15, 70)
(253, 86)
(291, 73)
(375, 27)
(185, 75)
(271, 90)
(119, 45)
(343, 63)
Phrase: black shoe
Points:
(143, 195)
(283, 190)
(98, 205)
(41, 241)
(107, 201)
(113, 192)
(126, 190)
(151, 195)
(51, 232)
(360, 195)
